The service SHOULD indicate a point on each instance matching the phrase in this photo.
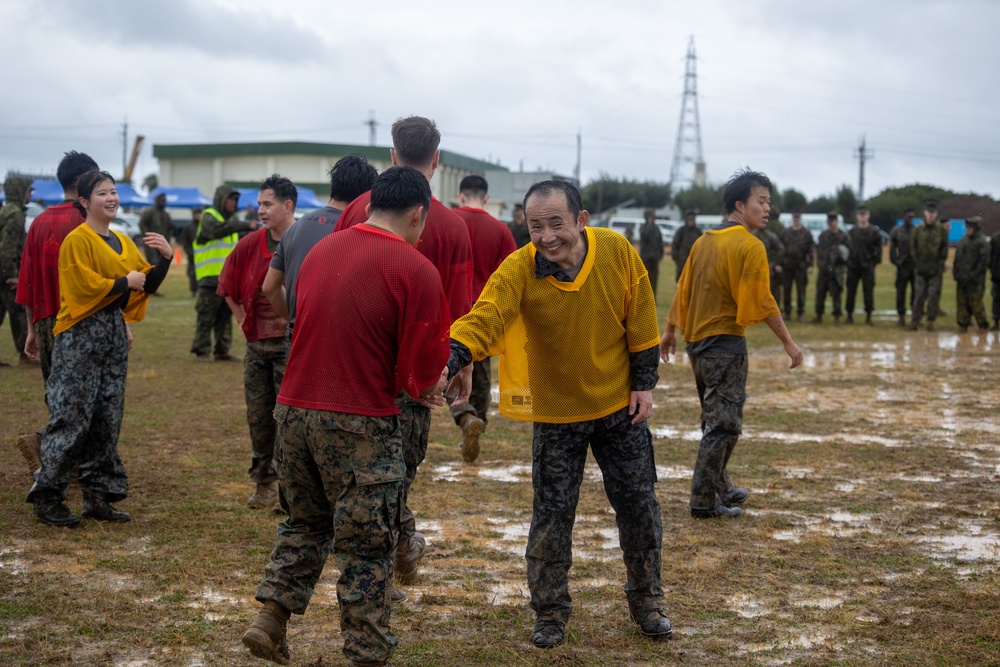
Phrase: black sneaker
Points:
(548, 633)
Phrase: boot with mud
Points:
(648, 614)
(266, 635)
(265, 497)
(914, 325)
(472, 428)
(53, 511)
(901, 321)
(408, 555)
(848, 320)
(868, 320)
(836, 320)
(930, 326)
(30, 446)
(816, 320)
(96, 507)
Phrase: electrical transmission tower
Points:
(863, 154)
(687, 151)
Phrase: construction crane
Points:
(130, 167)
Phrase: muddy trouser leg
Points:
(919, 297)
(721, 381)
(963, 311)
(976, 301)
(205, 308)
(904, 277)
(223, 326)
(263, 369)
(853, 277)
(933, 297)
(341, 479)
(86, 402)
(823, 280)
(414, 427)
(995, 292)
(16, 316)
(837, 291)
(558, 455)
(624, 453)
(868, 287)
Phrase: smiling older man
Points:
(573, 319)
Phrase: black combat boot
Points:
(868, 320)
(53, 511)
(850, 318)
(96, 507)
(548, 633)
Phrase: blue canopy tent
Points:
(130, 198)
(182, 197)
(49, 192)
(307, 198)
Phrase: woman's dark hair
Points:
(85, 186)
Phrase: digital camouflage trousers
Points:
(86, 395)
(926, 290)
(414, 429)
(721, 381)
(263, 370)
(969, 304)
(624, 453)
(341, 477)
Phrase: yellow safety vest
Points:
(209, 257)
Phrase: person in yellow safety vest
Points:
(216, 236)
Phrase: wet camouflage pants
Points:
(215, 316)
(46, 341)
(867, 278)
(995, 292)
(926, 290)
(828, 282)
(414, 429)
(625, 455)
(86, 393)
(721, 381)
(799, 278)
(263, 370)
(479, 400)
(341, 476)
(969, 299)
(904, 277)
(15, 316)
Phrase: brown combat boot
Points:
(264, 497)
(408, 555)
(816, 320)
(30, 446)
(472, 428)
(266, 635)
(914, 325)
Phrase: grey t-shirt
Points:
(296, 243)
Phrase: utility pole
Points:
(372, 124)
(687, 150)
(124, 146)
(579, 150)
(863, 154)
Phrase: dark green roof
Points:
(202, 151)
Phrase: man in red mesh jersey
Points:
(445, 242)
(371, 322)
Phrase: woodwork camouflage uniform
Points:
(901, 256)
(651, 252)
(341, 481)
(775, 250)
(972, 258)
(830, 265)
(12, 237)
(680, 247)
(929, 245)
(866, 254)
(799, 255)
(263, 370)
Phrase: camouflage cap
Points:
(975, 221)
(931, 205)
(832, 215)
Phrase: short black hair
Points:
(72, 167)
(283, 188)
(544, 188)
(474, 186)
(351, 177)
(398, 189)
(740, 187)
(415, 140)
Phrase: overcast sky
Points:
(784, 86)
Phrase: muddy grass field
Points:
(871, 536)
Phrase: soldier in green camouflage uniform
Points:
(684, 238)
(972, 258)
(12, 235)
(800, 251)
(156, 219)
(995, 275)
(901, 256)
(831, 266)
(865, 243)
(929, 244)
(519, 228)
(775, 250)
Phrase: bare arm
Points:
(777, 325)
(238, 311)
(274, 289)
(668, 342)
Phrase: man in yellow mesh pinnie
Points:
(572, 317)
(724, 288)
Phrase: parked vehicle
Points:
(629, 228)
(127, 224)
